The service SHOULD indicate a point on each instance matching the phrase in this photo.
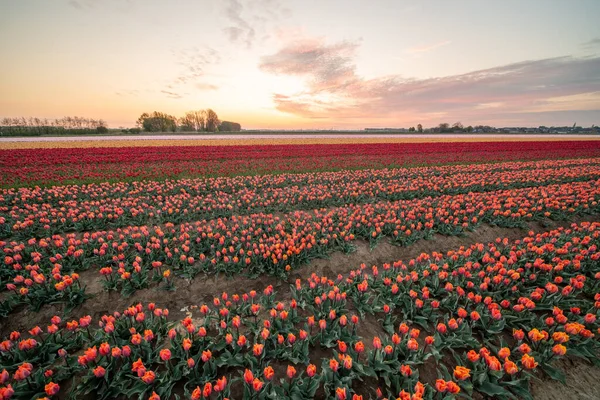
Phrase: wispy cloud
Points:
(172, 95)
(239, 29)
(206, 86)
(334, 90)
(588, 101)
(130, 92)
(195, 64)
(593, 43)
(428, 48)
(486, 106)
(247, 22)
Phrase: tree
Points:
(193, 121)
(212, 121)
(227, 126)
(157, 122)
(42, 126)
(200, 119)
(420, 128)
(186, 123)
(457, 127)
(444, 127)
(411, 129)
(141, 119)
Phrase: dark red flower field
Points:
(72, 165)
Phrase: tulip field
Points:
(24, 166)
(249, 271)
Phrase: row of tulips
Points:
(27, 167)
(39, 271)
(486, 317)
(35, 212)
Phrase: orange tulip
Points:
(51, 388)
(291, 371)
(257, 384)
(461, 373)
(334, 365)
(503, 353)
(269, 372)
(440, 385)
(528, 361)
(452, 387)
(248, 377)
(340, 393)
(510, 367)
(559, 350)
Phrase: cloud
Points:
(595, 42)
(334, 90)
(194, 74)
(249, 21)
(195, 63)
(426, 49)
(329, 66)
(588, 101)
(130, 92)
(240, 29)
(206, 86)
(172, 95)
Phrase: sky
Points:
(287, 64)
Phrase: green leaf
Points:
(554, 373)
(364, 369)
(493, 390)
(445, 372)
(520, 388)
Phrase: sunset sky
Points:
(304, 64)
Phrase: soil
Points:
(582, 378)
(581, 383)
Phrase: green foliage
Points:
(157, 122)
(228, 126)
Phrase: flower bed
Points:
(487, 316)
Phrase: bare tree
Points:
(200, 119)
(193, 121)
(212, 121)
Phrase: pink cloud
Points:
(327, 66)
(335, 91)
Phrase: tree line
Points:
(33, 126)
(192, 121)
(444, 127)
